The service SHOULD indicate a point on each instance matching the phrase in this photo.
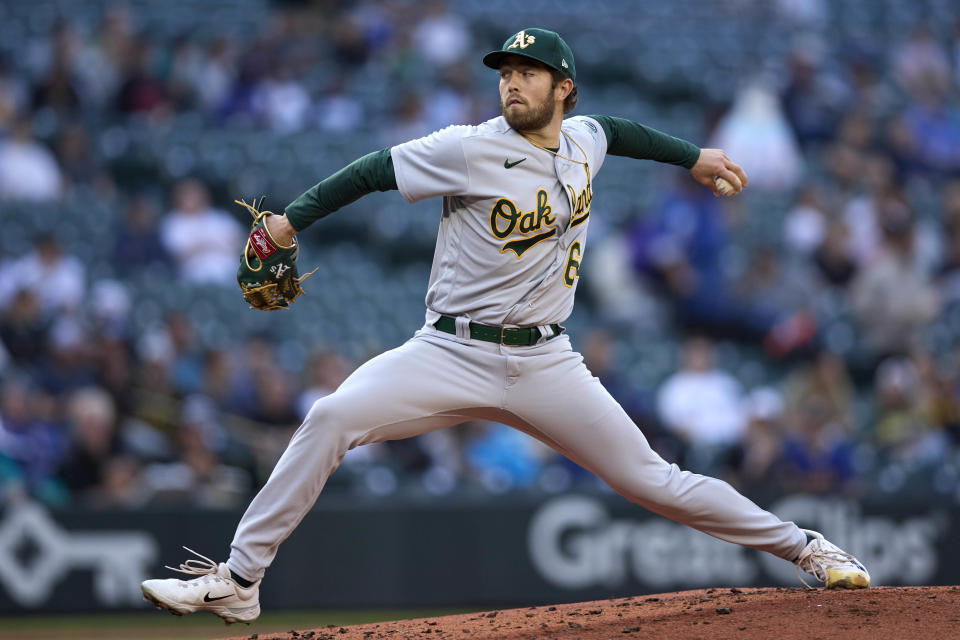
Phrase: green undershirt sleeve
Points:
(372, 172)
(634, 140)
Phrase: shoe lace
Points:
(819, 559)
(195, 567)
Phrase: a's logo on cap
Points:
(522, 41)
(563, 63)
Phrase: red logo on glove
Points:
(261, 243)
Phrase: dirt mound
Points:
(787, 614)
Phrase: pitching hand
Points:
(715, 162)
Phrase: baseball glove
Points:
(268, 274)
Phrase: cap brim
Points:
(495, 58)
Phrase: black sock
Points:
(246, 584)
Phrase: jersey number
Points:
(572, 270)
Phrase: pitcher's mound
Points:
(784, 614)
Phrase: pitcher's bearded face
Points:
(526, 94)
(524, 117)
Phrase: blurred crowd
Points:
(849, 297)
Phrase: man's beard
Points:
(532, 119)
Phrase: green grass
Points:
(160, 625)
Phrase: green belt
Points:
(525, 337)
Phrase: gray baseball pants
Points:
(436, 380)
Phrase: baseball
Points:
(724, 186)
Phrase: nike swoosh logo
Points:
(509, 165)
(207, 597)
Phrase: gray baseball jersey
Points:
(515, 218)
(508, 252)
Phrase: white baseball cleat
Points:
(830, 564)
(214, 591)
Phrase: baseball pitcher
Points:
(516, 194)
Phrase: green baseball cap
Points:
(540, 45)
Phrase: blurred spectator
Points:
(215, 73)
(852, 161)
(23, 328)
(502, 458)
(867, 72)
(599, 355)
(921, 63)
(902, 430)
(818, 450)
(154, 399)
(929, 140)
(700, 402)
(186, 360)
(94, 441)
(198, 476)
(833, 257)
(337, 110)
(873, 187)
(349, 42)
(13, 96)
(810, 13)
(173, 347)
(756, 132)
(444, 447)
(204, 241)
(409, 120)
(824, 381)
(28, 169)
(274, 401)
(325, 372)
(681, 249)
(178, 70)
(948, 275)
(79, 163)
(259, 360)
(781, 281)
(69, 364)
(818, 453)
(956, 52)
(220, 380)
(450, 101)
(935, 397)
(141, 91)
(619, 292)
(99, 66)
(31, 443)
(441, 36)
(948, 271)
(57, 280)
(121, 487)
(893, 299)
(806, 223)
(115, 370)
(138, 241)
(754, 462)
(812, 102)
(109, 308)
(281, 102)
(57, 90)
